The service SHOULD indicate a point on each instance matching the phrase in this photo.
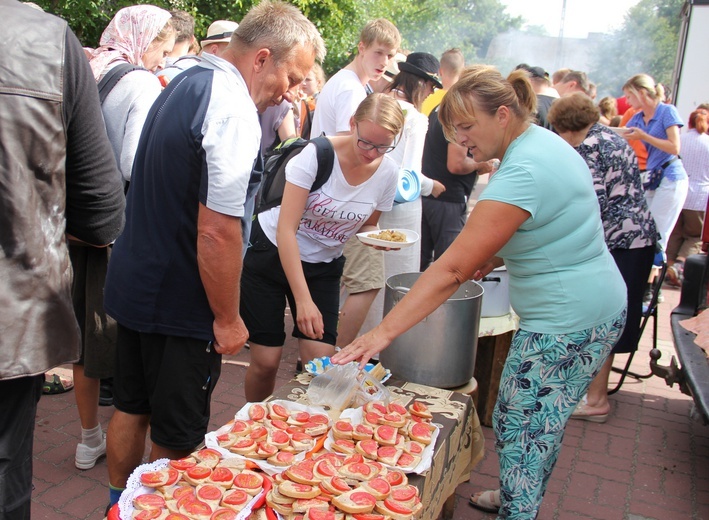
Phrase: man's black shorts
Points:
(171, 379)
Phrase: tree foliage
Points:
(426, 25)
(646, 43)
(437, 25)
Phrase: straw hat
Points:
(219, 32)
(393, 67)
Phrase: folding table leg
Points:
(447, 513)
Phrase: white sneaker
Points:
(86, 457)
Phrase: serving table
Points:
(494, 340)
(459, 448)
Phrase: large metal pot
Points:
(440, 350)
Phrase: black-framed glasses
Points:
(367, 146)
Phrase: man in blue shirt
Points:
(173, 279)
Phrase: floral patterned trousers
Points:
(544, 378)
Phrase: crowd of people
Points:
(134, 248)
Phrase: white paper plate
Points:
(134, 488)
(620, 130)
(210, 440)
(411, 238)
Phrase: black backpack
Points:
(105, 86)
(274, 169)
(112, 77)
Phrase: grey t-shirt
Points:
(271, 120)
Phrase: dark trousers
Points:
(441, 223)
(18, 408)
(634, 265)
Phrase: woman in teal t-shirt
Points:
(539, 213)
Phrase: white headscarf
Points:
(128, 36)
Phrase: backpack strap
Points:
(326, 161)
(325, 154)
(112, 77)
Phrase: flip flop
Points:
(56, 384)
(487, 501)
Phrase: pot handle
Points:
(402, 289)
(399, 291)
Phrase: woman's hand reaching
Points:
(361, 349)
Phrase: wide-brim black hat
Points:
(424, 65)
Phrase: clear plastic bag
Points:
(345, 386)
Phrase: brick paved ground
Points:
(649, 461)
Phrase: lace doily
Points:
(135, 488)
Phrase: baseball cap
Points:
(534, 72)
(538, 72)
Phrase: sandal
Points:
(674, 275)
(584, 412)
(487, 501)
(55, 384)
